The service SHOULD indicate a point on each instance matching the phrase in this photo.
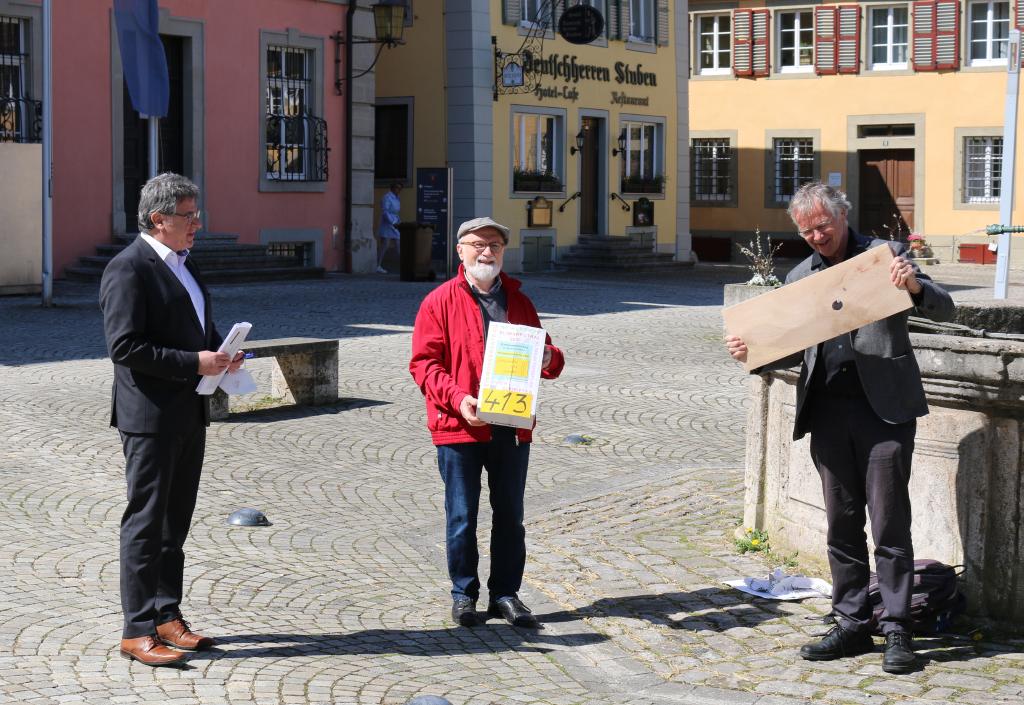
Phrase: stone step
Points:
(219, 256)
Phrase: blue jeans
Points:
(460, 465)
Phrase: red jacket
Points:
(448, 355)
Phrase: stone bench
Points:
(305, 372)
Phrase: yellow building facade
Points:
(592, 130)
(901, 104)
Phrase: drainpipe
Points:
(347, 210)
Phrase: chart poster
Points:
(432, 201)
(511, 376)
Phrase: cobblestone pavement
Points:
(344, 599)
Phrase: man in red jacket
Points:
(447, 359)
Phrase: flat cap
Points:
(480, 223)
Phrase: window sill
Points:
(714, 75)
(889, 71)
(634, 44)
(976, 206)
(697, 203)
(983, 68)
(529, 195)
(634, 195)
(274, 185)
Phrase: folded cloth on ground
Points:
(779, 586)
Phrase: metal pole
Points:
(1009, 152)
(47, 136)
(154, 146)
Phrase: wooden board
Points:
(834, 301)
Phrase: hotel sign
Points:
(568, 68)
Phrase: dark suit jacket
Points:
(885, 359)
(154, 338)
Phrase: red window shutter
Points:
(742, 44)
(825, 41)
(848, 40)
(947, 34)
(1018, 14)
(924, 35)
(759, 60)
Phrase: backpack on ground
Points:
(936, 599)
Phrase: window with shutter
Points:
(611, 19)
(714, 45)
(936, 32)
(848, 54)
(825, 41)
(662, 23)
(750, 42)
(512, 11)
(742, 42)
(760, 25)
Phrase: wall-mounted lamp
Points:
(388, 25)
(621, 140)
(580, 137)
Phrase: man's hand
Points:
(547, 358)
(237, 362)
(902, 274)
(213, 363)
(468, 410)
(736, 347)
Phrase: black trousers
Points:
(864, 461)
(162, 471)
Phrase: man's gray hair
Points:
(161, 194)
(811, 195)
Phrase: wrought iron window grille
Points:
(21, 120)
(296, 148)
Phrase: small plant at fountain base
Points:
(761, 259)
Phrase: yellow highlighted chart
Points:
(511, 375)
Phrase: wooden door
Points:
(171, 139)
(590, 181)
(886, 193)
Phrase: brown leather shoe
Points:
(147, 650)
(176, 633)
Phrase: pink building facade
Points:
(254, 119)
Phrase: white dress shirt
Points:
(176, 262)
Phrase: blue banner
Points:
(142, 55)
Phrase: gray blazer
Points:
(885, 359)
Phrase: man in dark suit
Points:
(859, 396)
(160, 334)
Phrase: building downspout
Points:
(347, 206)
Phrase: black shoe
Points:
(512, 610)
(838, 643)
(464, 611)
(899, 653)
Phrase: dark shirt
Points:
(836, 368)
(493, 304)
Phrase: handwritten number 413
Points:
(499, 402)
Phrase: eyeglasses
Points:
(820, 227)
(190, 217)
(480, 246)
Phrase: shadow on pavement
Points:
(413, 642)
(729, 609)
(287, 412)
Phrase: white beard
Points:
(484, 272)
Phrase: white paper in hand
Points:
(238, 382)
(231, 345)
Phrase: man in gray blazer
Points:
(859, 396)
(160, 334)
